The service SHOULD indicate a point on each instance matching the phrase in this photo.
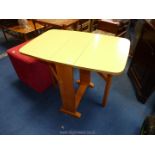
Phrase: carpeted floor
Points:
(24, 111)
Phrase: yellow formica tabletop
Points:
(81, 49)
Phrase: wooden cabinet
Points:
(142, 68)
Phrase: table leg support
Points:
(85, 78)
(65, 80)
(84, 82)
(107, 89)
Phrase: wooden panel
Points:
(84, 83)
(65, 80)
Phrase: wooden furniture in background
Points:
(21, 32)
(58, 23)
(68, 24)
(112, 27)
(4, 23)
(93, 24)
(84, 25)
(142, 67)
(86, 51)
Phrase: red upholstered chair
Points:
(31, 71)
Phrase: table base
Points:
(71, 98)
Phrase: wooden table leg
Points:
(107, 89)
(65, 80)
(70, 98)
(85, 78)
(84, 82)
